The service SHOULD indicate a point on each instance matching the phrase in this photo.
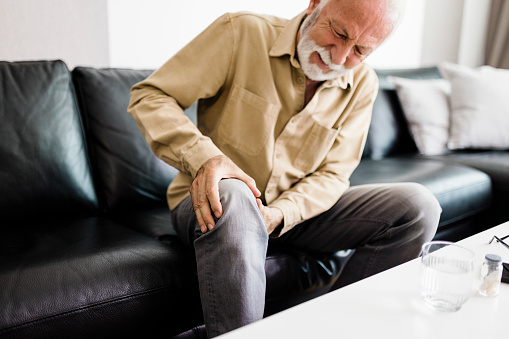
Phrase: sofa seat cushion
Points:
(293, 276)
(93, 278)
(493, 163)
(461, 191)
(154, 221)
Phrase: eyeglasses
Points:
(500, 240)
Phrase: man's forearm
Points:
(171, 135)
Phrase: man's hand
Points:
(273, 216)
(205, 189)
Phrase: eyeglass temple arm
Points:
(500, 240)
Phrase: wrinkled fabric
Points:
(251, 91)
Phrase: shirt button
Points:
(300, 80)
(278, 155)
(293, 121)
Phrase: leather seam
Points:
(463, 187)
(81, 309)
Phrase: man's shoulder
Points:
(363, 70)
(254, 19)
(256, 30)
(364, 75)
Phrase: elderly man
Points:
(284, 110)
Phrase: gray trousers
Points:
(386, 224)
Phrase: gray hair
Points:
(395, 9)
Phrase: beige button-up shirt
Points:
(251, 92)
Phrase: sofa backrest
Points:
(388, 133)
(128, 175)
(44, 170)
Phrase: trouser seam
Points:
(212, 302)
(370, 263)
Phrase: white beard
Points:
(307, 46)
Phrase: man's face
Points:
(338, 35)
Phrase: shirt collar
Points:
(285, 42)
(285, 45)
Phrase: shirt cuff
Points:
(199, 154)
(291, 216)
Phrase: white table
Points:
(388, 305)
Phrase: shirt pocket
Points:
(315, 148)
(247, 121)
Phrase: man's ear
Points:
(312, 5)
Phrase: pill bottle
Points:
(491, 275)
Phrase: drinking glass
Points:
(446, 275)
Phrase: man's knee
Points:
(422, 206)
(424, 200)
(235, 196)
(229, 188)
(239, 206)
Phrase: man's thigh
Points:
(184, 221)
(362, 214)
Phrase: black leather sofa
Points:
(472, 186)
(87, 247)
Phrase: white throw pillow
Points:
(425, 105)
(479, 107)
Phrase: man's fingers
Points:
(204, 217)
(213, 199)
(260, 204)
(207, 216)
(201, 206)
(205, 188)
(250, 183)
(200, 221)
(199, 218)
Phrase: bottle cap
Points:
(493, 258)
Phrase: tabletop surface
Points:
(389, 305)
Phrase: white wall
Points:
(474, 29)
(442, 31)
(403, 48)
(455, 31)
(145, 34)
(72, 30)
